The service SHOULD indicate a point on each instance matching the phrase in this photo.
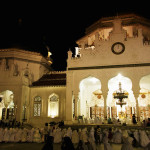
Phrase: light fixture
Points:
(120, 95)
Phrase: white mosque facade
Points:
(112, 58)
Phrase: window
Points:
(53, 107)
(37, 106)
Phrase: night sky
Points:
(57, 25)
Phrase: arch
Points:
(90, 96)
(6, 105)
(53, 105)
(145, 82)
(37, 106)
(144, 98)
(126, 86)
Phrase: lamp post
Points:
(24, 109)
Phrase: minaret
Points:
(49, 55)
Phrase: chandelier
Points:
(98, 93)
(120, 95)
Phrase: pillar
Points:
(6, 112)
(105, 105)
(15, 106)
(137, 107)
(110, 112)
(136, 90)
(105, 93)
(76, 104)
(68, 105)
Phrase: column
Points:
(136, 90)
(110, 112)
(6, 112)
(105, 93)
(76, 104)
(68, 104)
(105, 105)
(15, 107)
(137, 107)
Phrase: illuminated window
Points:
(37, 106)
(53, 106)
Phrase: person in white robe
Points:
(127, 144)
(79, 132)
(12, 134)
(107, 145)
(117, 136)
(75, 138)
(124, 135)
(30, 135)
(6, 135)
(1, 134)
(64, 132)
(42, 135)
(136, 135)
(18, 135)
(84, 138)
(58, 136)
(144, 140)
(148, 134)
(37, 136)
(92, 139)
(24, 135)
(53, 133)
(69, 132)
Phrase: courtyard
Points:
(38, 146)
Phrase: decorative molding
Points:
(110, 66)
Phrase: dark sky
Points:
(57, 25)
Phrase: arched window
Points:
(37, 106)
(53, 105)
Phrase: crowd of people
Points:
(10, 123)
(78, 139)
(21, 135)
(89, 139)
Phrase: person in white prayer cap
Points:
(24, 135)
(12, 134)
(69, 132)
(125, 134)
(6, 135)
(127, 144)
(64, 132)
(42, 135)
(79, 132)
(75, 138)
(144, 140)
(117, 136)
(37, 136)
(107, 145)
(18, 135)
(30, 135)
(92, 139)
(84, 138)
(58, 136)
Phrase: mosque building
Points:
(108, 77)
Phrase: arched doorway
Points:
(91, 99)
(144, 98)
(127, 108)
(7, 105)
